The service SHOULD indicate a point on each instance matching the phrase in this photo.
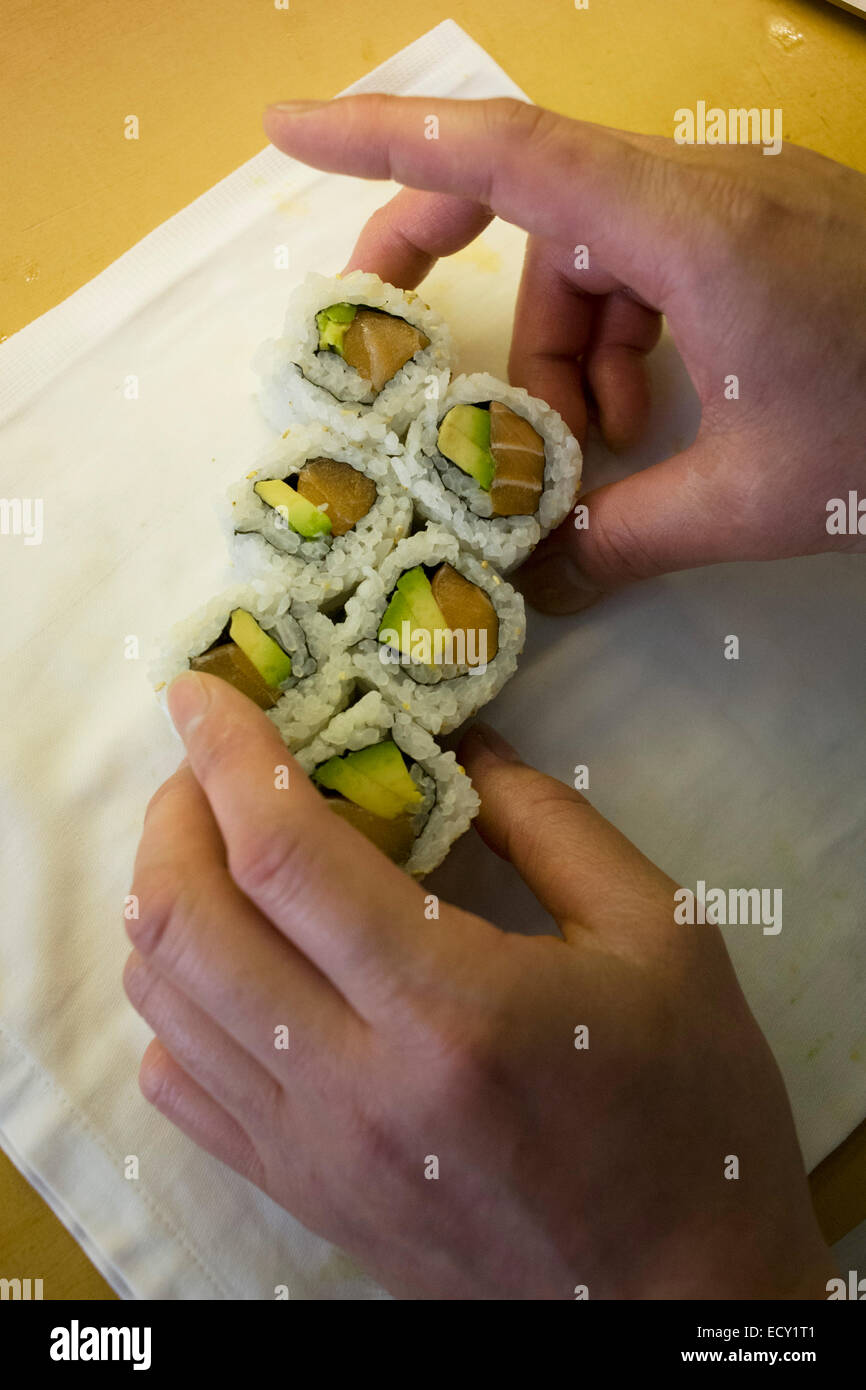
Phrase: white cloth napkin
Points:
(739, 773)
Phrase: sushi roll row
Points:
(497, 466)
(374, 538)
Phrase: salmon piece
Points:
(378, 345)
(467, 608)
(349, 494)
(518, 451)
(393, 837)
(231, 664)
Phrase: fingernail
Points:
(493, 743)
(554, 584)
(294, 108)
(188, 697)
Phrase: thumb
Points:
(350, 911)
(588, 876)
(668, 517)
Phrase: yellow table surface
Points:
(74, 194)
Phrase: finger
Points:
(403, 240)
(167, 1086)
(588, 876)
(343, 904)
(623, 333)
(552, 326)
(201, 933)
(669, 517)
(229, 1074)
(555, 177)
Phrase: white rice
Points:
(450, 803)
(443, 493)
(322, 570)
(439, 698)
(321, 680)
(300, 383)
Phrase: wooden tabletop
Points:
(74, 194)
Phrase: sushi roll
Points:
(356, 354)
(436, 630)
(280, 653)
(316, 512)
(497, 466)
(388, 777)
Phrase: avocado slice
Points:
(300, 513)
(268, 657)
(412, 602)
(464, 438)
(332, 324)
(375, 778)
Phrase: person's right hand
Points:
(586, 1092)
(757, 263)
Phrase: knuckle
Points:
(263, 1108)
(616, 554)
(467, 1061)
(171, 785)
(158, 900)
(377, 104)
(155, 1082)
(267, 864)
(375, 1138)
(519, 120)
(376, 115)
(473, 1070)
(138, 982)
(172, 909)
(542, 817)
(740, 217)
(158, 796)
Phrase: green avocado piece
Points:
(268, 657)
(376, 778)
(332, 324)
(412, 602)
(464, 438)
(396, 614)
(299, 512)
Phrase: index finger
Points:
(555, 177)
(357, 916)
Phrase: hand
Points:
(756, 262)
(558, 1167)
